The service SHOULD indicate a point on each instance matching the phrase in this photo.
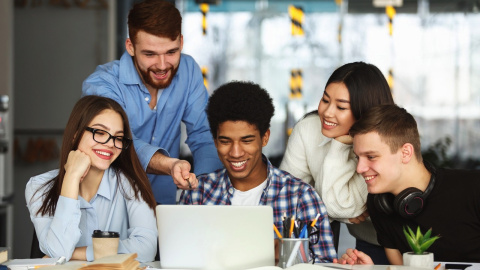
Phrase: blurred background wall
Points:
(427, 49)
(429, 53)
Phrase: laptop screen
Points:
(215, 237)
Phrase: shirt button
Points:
(146, 99)
(230, 190)
(153, 138)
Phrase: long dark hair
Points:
(127, 162)
(366, 86)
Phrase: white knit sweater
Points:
(330, 167)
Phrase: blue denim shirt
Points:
(74, 221)
(159, 129)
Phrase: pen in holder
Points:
(293, 251)
(295, 241)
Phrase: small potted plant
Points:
(419, 243)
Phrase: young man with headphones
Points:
(405, 191)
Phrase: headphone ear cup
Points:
(383, 203)
(409, 202)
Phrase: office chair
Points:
(35, 251)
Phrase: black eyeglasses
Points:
(102, 136)
(314, 237)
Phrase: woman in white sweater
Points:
(319, 150)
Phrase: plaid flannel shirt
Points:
(286, 194)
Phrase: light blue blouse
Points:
(111, 209)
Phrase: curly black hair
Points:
(240, 101)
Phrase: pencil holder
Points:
(293, 251)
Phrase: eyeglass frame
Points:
(125, 141)
(314, 233)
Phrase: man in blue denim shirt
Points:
(239, 114)
(159, 87)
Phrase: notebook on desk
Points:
(215, 237)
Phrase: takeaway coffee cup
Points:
(104, 243)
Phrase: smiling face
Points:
(381, 169)
(102, 155)
(334, 111)
(239, 147)
(156, 58)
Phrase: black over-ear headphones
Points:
(408, 203)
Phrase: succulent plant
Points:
(419, 242)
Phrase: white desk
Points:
(332, 266)
(393, 267)
(323, 266)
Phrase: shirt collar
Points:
(269, 173)
(106, 188)
(128, 74)
(270, 192)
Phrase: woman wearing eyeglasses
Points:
(100, 185)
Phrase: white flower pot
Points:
(424, 260)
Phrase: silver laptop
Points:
(215, 237)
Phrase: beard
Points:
(150, 80)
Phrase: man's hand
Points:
(180, 172)
(345, 139)
(360, 218)
(354, 256)
(178, 169)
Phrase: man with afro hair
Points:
(239, 115)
